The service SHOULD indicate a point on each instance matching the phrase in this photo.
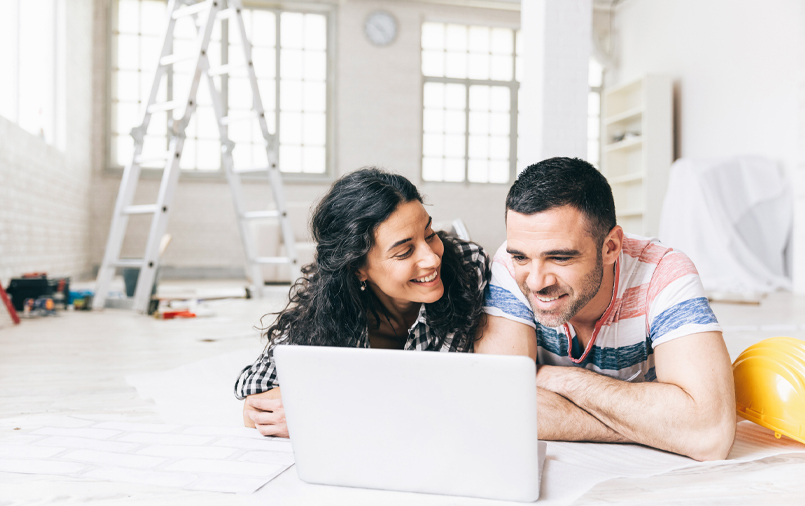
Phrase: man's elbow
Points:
(714, 441)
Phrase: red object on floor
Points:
(183, 313)
(7, 302)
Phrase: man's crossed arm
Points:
(690, 410)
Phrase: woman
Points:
(382, 278)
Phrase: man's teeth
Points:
(548, 300)
(427, 279)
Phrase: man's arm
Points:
(264, 412)
(558, 419)
(690, 410)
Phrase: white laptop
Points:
(440, 423)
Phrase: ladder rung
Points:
(224, 69)
(144, 160)
(174, 58)
(228, 120)
(143, 209)
(127, 262)
(260, 215)
(163, 106)
(250, 170)
(227, 13)
(190, 10)
(272, 260)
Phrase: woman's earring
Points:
(363, 285)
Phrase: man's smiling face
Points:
(557, 263)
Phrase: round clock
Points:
(380, 28)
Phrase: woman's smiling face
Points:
(405, 262)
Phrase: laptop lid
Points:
(441, 423)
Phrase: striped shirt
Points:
(262, 374)
(657, 297)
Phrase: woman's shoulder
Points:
(473, 257)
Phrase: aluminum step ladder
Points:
(205, 14)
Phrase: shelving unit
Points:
(638, 150)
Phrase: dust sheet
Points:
(219, 459)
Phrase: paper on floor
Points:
(211, 397)
(216, 459)
(570, 470)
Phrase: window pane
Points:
(265, 32)
(433, 36)
(290, 158)
(478, 171)
(479, 39)
(432, 169)
(433, 63)
(456, 65)
(433, 95)
(456, 39)
(315, 32)
(290, 128)
(502, 41)
(315, 129)
(291, 29)
(454, 169)
(433, 145)
(128, 16)
(433, 120)
(314, 160)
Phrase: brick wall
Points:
(44, 191)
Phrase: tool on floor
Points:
(11, 311)
(770, 386)
(205, 14)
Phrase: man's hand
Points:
(265, 413)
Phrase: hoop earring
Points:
(363, 285)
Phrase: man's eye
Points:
(518, 258)
(561, 259)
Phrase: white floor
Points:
(75, 364)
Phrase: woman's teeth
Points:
(428, 278)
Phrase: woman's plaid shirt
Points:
(262, 374)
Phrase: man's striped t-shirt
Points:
(657, 297)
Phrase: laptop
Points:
(440, 423)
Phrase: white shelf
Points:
(628, 178)
(637, 166)
(624, 144)
(629, 213)
(625, 115)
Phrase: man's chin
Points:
(550, 320)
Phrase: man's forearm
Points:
(654, 414)
(561, 420)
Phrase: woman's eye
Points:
(431, 236)
(406, 254)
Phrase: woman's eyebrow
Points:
(403, 241)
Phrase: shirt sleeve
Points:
(261, 376)
(503, 296)
(677, 305)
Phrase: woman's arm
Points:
(265, 413)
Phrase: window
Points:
(289, 50)
(596, 81)
(469, 118)
(30, 55)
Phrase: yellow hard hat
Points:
(770, 385)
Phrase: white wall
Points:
(44, 191)
(735, 66)
(378, 107)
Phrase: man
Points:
(627, 347)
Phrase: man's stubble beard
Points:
(589, 289)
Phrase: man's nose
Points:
(539, 278)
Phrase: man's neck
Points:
(585, 320)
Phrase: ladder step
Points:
(260, 215)
(143, 209)
(227, 13)
(250, 170)
(225, 69)
(163, 106)
(228, 120)
(127, 262)
(144, 160)
(174, 58)
(190, 10)
(272, 260)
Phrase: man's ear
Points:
(613, 243)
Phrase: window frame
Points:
(328, 11)
(514, 88)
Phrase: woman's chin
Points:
(432, 294)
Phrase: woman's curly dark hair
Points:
(327, 306)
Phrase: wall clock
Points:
(380, 28)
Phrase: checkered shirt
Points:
(262, 374)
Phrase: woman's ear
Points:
(361, 274)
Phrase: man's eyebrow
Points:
(513, 252)
(561, 253)
(403, 241)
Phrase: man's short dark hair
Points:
(558, 182)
